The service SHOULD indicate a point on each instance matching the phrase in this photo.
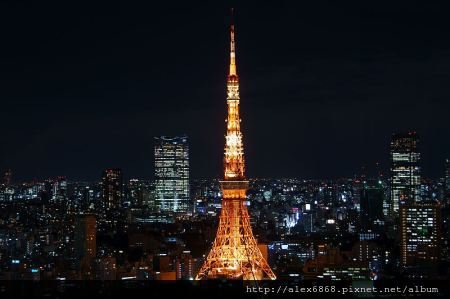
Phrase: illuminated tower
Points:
(235, 253)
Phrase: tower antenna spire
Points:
(233, 71)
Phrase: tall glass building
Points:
(405, 171)
(172, 173)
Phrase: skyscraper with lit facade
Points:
(112, 188)
(420, 227)
(172, 173)
(405, 171)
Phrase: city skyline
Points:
(89, 94)
(332, 177)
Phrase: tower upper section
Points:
(234, 150)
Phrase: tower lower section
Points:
(235, 253)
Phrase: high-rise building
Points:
(112, 188)
(59, 189)
(420, 234)
(405, 171)
(86, 236)
(235, 253)
(135, 192)
(87, 197)
(371, 205)
(172, 173)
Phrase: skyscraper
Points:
(59, 189)
(86, 236)
(371, 204)
(112, 188)
(420, 234)
(405, 171)
(172, 173)
(235, 253)
(135, 192)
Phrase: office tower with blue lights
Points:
(172, 173)
(405, 171)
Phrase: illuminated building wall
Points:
(172, 173)
(420, 233)
(405, 171)
(112, 188)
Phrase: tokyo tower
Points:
(235, 253)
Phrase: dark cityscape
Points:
(283, 145)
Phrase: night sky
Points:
(323, 86)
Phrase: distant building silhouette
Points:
(7, 178)
(86, 236)
(371, 206)
(112, 188)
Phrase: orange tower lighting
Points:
(235, 253)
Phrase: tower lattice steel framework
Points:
(235, 253)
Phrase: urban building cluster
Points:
(120, 228)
